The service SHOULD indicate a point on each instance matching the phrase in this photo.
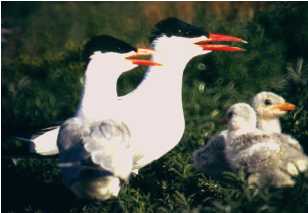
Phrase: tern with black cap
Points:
(94, 146)
(154, 111)
(106, 58)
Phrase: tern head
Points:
(241, 116)
(114, 54)
(269, 105)
(183, 38)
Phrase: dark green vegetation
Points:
(42, 78)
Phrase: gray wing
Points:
(109, 147)
(211, 157)
(91, 153)
(73, 158)
(252, 151)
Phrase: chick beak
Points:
(285, 107)
(208, 45)
(134, 58)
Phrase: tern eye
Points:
(268, 102)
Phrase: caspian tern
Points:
(44, 142)
(95, 146)
(153, 111)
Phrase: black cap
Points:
(105, 43)
(175, 27)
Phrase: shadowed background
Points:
(42, 76)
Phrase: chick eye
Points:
(229, 115)
(268, 102)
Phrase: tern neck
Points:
(164, 83)
(269, 125)
(100, 91)
(167, 77)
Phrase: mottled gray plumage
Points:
(88, 166)
(211, 157)
(268, 158)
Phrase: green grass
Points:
(42, 79)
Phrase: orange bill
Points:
(141, 52)
(145, 51)
(134, 58)
(285, 107)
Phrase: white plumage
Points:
(100, 96)
(94, 151)
(153, 112)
